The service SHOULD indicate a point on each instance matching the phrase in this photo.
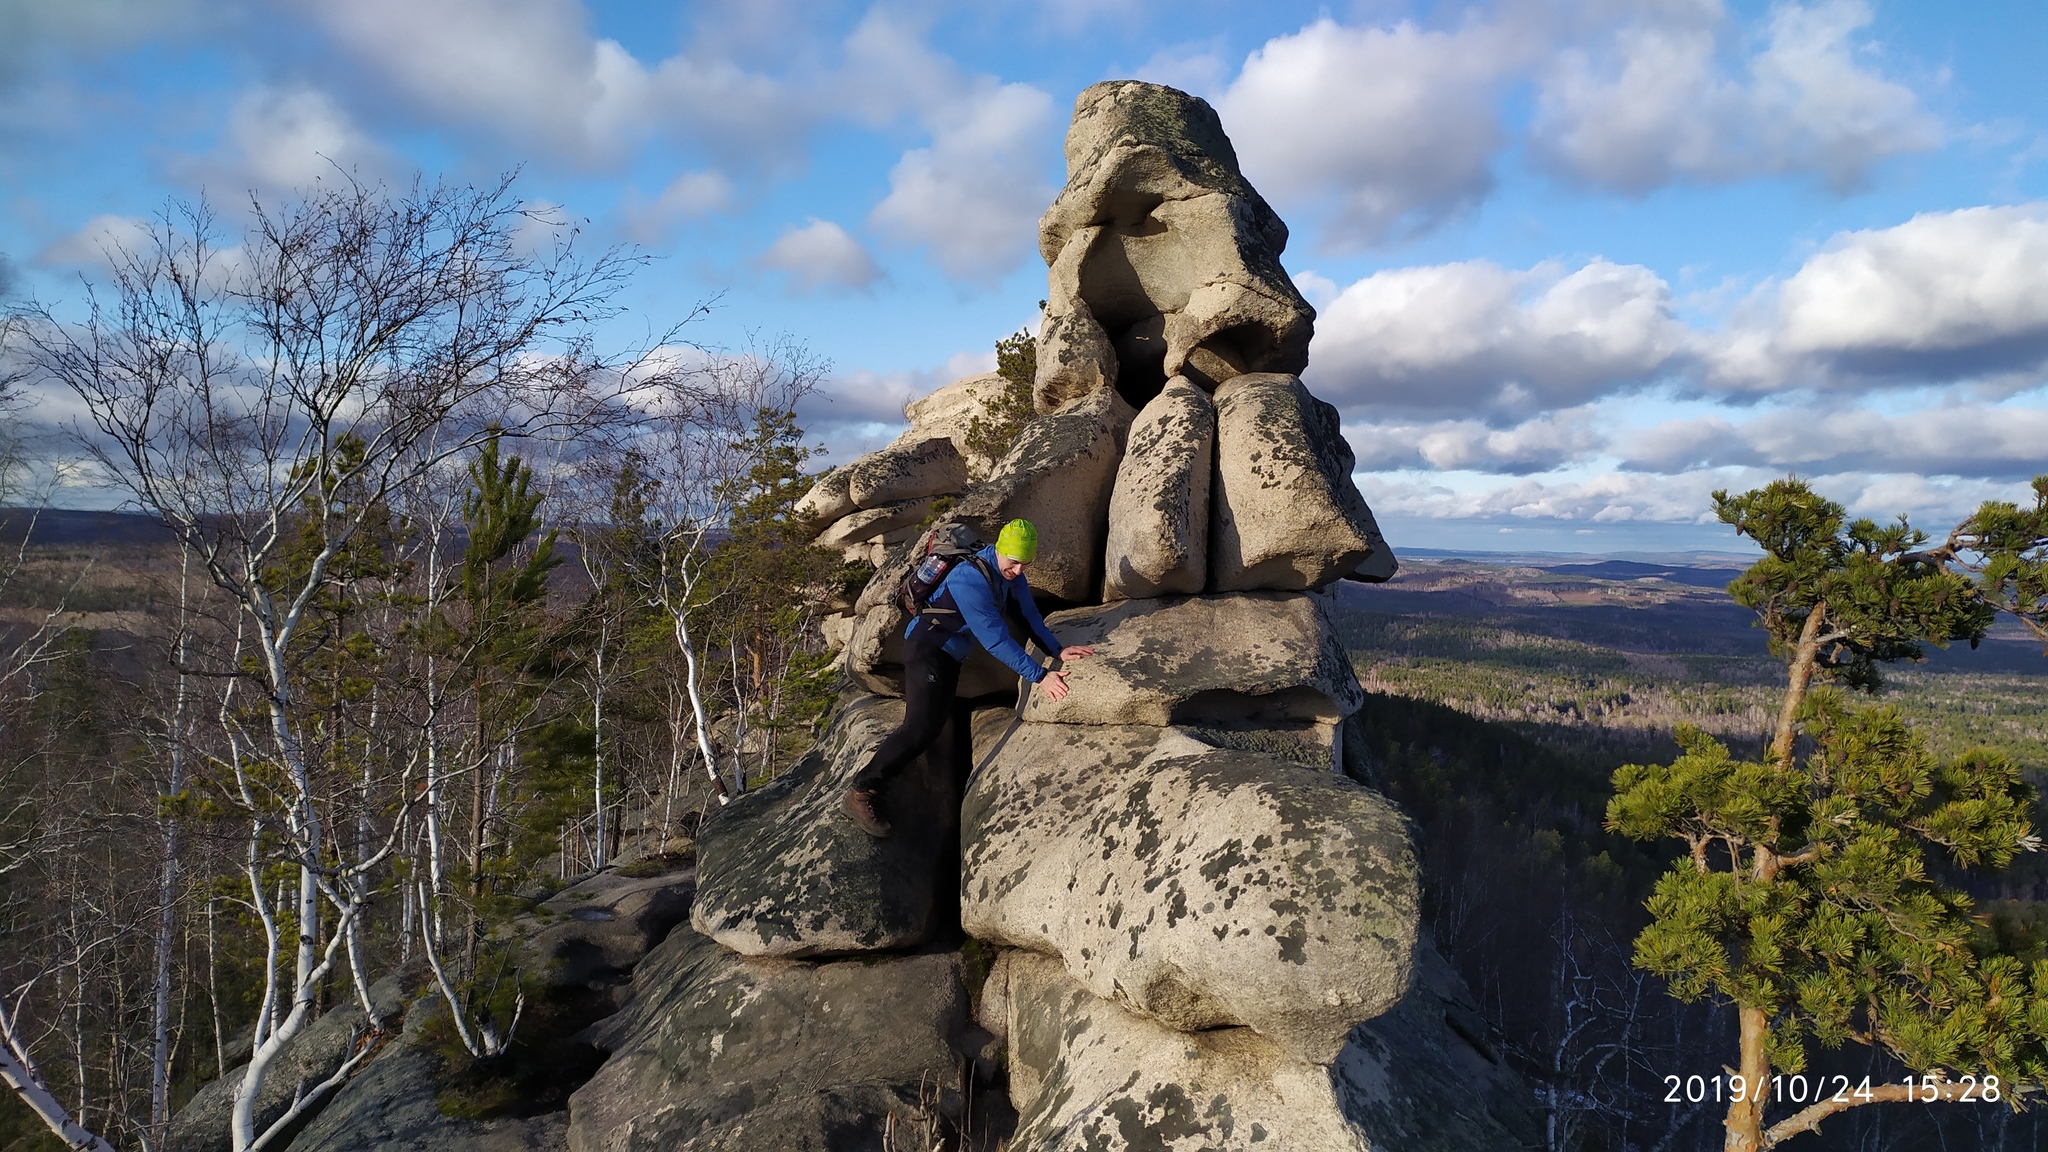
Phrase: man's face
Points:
(1010, 569)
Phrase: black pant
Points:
(930, 680)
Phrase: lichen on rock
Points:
(1200, 887)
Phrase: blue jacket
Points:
(981, 613)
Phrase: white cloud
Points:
(820, 255)
(1199, 69)
(1393, 128)
(972, 198)
(531, 71)
(1604, 498)
(1979, 441)
(289, 138)
(689, 196)
(1482, 340)
(1654, 102)
(95, 241)
(1945, 296)
(1540, 445)
(1683, 498)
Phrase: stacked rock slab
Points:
(1285, 513)
(1159, 509)
(1225, 888)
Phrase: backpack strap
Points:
(995, 586)
(932, 607)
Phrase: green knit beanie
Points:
(1019, 541)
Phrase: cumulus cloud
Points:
(1608, 498)
(1652, 101)
(1482, 340)
(1196, 68)
(1540, 445)
(1684, 498)
(1978, 441)
(971, 197)
(1389, 130)
(289, 138)
(687, 197)
(95, 241)
(1945, 296)
(531, 71)
(821, 256)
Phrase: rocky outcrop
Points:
(1086, 1074)
(1267, 656)
(202, 1125)
(1164, 261)
(951, 412)
(1059, 475)
(1159, 511)
(827, 501)
(1224, 888)
(1285, 511)
(902, 472)
(718, 1052)
(394, 1106)
(591, 934)
(783, 872)
(884, 524)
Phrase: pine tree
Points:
(1808, 896)
(780, 674)
(990, 435)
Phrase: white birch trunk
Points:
(160, 1010)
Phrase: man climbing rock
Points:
(969, 608)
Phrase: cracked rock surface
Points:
(1085, 1074)
(783, 872)
(720, 1053)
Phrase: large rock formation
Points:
(1209, 930)
(1200, 929)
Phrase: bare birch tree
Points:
(693, 454)
(274, 397)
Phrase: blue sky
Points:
(1578, 262)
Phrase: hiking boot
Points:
(860, 807)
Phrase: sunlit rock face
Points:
(1164, 261)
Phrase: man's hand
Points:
(1075, 652)
(1055, 685)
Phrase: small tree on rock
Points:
(1004, 414)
